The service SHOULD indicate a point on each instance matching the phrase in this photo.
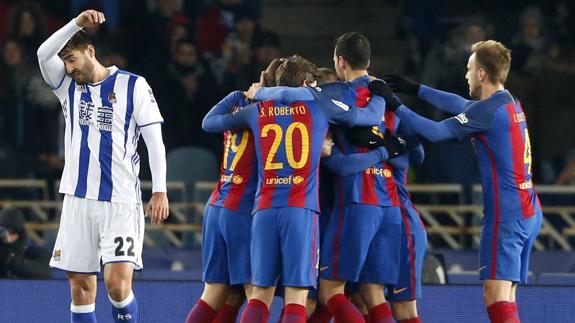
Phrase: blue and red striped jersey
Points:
(400, 169)
(375, 185)
(237, 184)
(288, 139)
(501, 141)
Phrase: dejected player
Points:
(106, 110)
(496, 123)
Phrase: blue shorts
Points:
(226, 246)
(505, 247)
(285, 243)
(362, 244)
(413, 249)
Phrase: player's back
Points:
(374, 186)
(504, 153)
(289, 138)
(237, 185)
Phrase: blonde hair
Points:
(495, 58)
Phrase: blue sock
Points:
(126, 310)
(83, 313)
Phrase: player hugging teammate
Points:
(375, 240)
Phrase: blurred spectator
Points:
(530, 47)
(445, 66)
(266, 47)
(26, 25)
(236, 50)
(18, 258)
(567, 175)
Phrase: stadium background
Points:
(194, 52)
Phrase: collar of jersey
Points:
(113, 69)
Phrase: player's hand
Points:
(401, 84)
(90, 18)
(158, 208)
(380, 88)
(368, 137)
(251, 92)
(395, 146)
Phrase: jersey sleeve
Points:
(430, 129)
(222, 118)
(445, 101)
(340, 113)
(284, 94)
(51, 66)
(146, 110)
(477, 118)
(344, 165)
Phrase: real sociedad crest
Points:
(112, 97)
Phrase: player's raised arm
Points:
(475, 119)
(370, 115)
(448, 102)
(52, 66)
(220, 118)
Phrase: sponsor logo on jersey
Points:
(285, 180)
(237, 179)
(379, 171)
(86, 110)
(82, 88)
(340, 104)
(57, 255)
(462, 118)
(104, 118)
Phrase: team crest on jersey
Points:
(112, 97)
(57, 255)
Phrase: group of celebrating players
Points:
(374, 239)
(261, 225)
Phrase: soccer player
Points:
(106, 110)
(367, 210)
(227, 221)
(495, 121)
(289, 137)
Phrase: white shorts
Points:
(92, 230)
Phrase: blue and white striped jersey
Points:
(102, 132)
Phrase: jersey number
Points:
(237, 149)
(527, 152)
(120, 242)
(278, 136)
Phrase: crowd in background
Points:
(194, 52)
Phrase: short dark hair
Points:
(495, 58)
(79, 41)
(269, 78)
(294, 71)
(355, 48)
